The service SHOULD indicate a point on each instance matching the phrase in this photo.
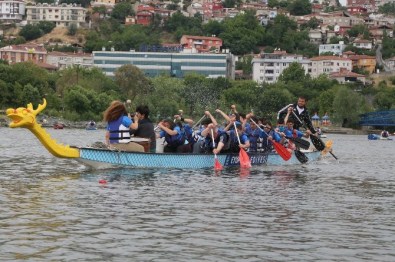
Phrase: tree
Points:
(122, 10)
(300, 7)
(72, 29)
(30, 32)
(132, 81)
(347, 106)
(294, 73)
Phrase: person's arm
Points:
(307, 120)
(107, 137)
(229, 125)
(167, 130)
(135, 124)
(227, 118)
(289, 112)
(213, 120)
(219, 148)
(246, 143)
(207, 130)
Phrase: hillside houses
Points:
(266, 67)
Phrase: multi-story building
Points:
(62, 15)
(269, 66)
(202, 44)
(344, 76)
(12, 11)
(64, 59)
(363, 44)
(364, 62)
(173, 64)
(336, 49)
(23, 53)
(329, 64)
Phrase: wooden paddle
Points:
(243, 156)
(280, 149)
(217, 164)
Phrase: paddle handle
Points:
(333, 155)
(198, 122)
(212, 137)
(237, 133)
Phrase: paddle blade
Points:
(217, 165)
(317, 142)
(301, 156)
(299, 142)
(245, 161)
(282, 151)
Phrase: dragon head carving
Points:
(25, 116)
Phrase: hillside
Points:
(59, 35)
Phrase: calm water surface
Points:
(56, 209)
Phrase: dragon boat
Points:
(99, 158)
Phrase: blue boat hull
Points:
(102, 158)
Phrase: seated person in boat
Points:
(267, 136)
(145, 127)
(253, 133)
(385, 133)
(198, 146)
(236, 135)
(118, 127)
(290, 131)
(221, 141)
(173, 135)
(186, 128)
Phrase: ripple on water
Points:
(56, 209)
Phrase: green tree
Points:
(359, 30)
(121, 10)
(294, 73)
(347, 106)
(132, 81)
(300, 7)
(30, 32)
(72, 29)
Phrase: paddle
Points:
(299, 142)
(198, 122)
(217, 164)
(280, 149)
(301, 156)
(243, 156)
(317, 142)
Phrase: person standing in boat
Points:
(173, 135)
(300, 110)
(145, 127)
(118, 127)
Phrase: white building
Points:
(329, 64)
(336, 49)
(63, 60)
(269, 66)
(63, 15)
(363, 44)
(11, 11)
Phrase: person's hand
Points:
(216, 151)
(233, 107)
(207, 113)
(218, 110)
(248, 116)
(270, 138)
(211, 125)
(290, 109)
(135, 118)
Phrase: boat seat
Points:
(130, 147)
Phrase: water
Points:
(56, 209)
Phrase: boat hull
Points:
(103, 158)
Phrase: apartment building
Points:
(336, 49)
(23, 53)
(329, 64)
(11, 11)
(62, 15)
(202, 44)
(269, 66)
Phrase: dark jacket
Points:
(304, 117)
(146, 130)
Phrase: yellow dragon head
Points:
(24, 117)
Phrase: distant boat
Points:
(91, 126)
(58, 126)
(378, 137)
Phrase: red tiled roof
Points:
(345, 73)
